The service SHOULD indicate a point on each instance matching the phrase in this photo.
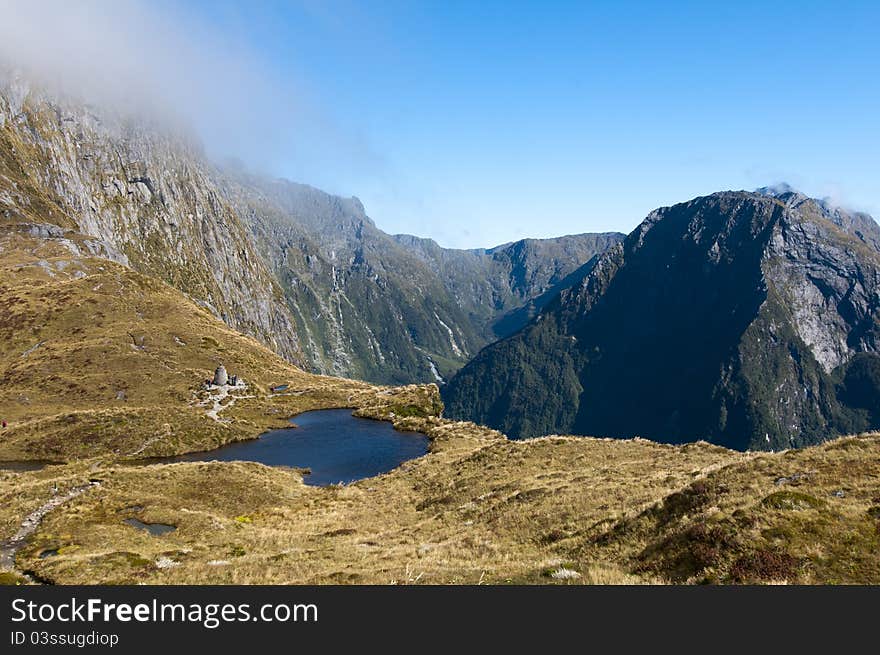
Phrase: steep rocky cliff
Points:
(365, 307)
(747, 319)
(503, 287)
(305, 272)
(392, 308)
(146, 194)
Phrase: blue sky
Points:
(477, 123)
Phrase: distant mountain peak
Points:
(747, 319)
(776, 190)
(858, 224)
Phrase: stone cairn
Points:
(220, 377)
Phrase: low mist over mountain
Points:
(146, 194)
(305, 272)
(747, 319)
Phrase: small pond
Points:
(334, 445)
(24, 465)
(155, 529)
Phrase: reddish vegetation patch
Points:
(706, 545)
(763, 565)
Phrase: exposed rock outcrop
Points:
(145, 194)
(395, 309)
(747, 319)
(305, 272)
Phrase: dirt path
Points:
(166, 432)
(214, 405)
(10, 547)
(216, 396)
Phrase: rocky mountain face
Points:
(861, 225)
(503, 287)
(363, 305)
(147, 195)
(385, 308)
(746, 319)
(305, 272)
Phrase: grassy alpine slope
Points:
(477, 509)
(98, 360)
(77, 330)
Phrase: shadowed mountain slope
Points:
(747, 319)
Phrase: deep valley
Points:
(695, 402)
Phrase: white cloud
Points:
(136, 55)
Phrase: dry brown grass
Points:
(477, 509)
(99, 360)
(807, 516)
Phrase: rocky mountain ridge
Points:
(385, 308)
(305, 272)
(746, 319)
(147, 195)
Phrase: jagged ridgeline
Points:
(747, 319)
(396, 308)
(146, 195)
(305, 272)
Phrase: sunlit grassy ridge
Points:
(99, 360)
(77, 330)
(477, 509)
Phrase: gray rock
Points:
(220, 376)
(748, 319)
(82, 155)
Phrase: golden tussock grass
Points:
(478, 509)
